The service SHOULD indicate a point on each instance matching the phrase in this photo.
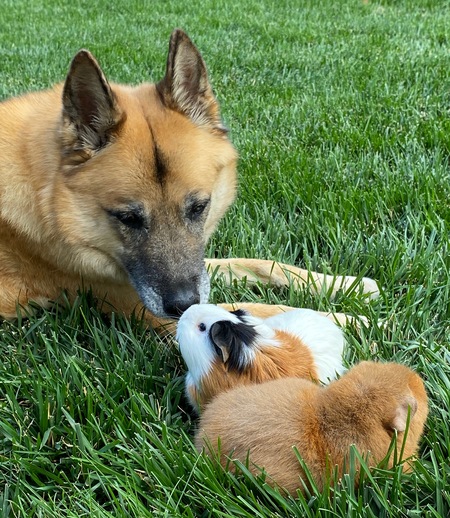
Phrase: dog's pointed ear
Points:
(90, 109)
(407, 405)
(185, 86)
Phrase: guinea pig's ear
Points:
(231, 340)
(407, 404)
(221, 336)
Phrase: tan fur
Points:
(57, 181)
(293, 359)
(264, 311)
(362, 408)
(48, 243)
(283, 275)
(54, 233)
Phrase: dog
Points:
(117, 189)
(223, 350)
(365, 408)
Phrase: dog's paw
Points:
(343, 319)
(365, 286)
(370, 288)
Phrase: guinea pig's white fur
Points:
(319, 333)
(364, 408)
(223, 350)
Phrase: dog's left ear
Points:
(90, 109)
(185, 87)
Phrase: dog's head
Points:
(147, 172)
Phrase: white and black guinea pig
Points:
(223, 349)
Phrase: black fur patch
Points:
(240, 313)
(161, 164)
(235, 338)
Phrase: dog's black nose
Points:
(179, 301)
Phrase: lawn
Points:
(341, 113)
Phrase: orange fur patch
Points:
(267, 420)
(291, 359)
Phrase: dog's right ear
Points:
(185, 87)
(90, 109)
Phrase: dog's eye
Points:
(129, 219)
(197, 209)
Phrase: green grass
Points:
(340, 112)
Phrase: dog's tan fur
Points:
(363, 408)
(81, 159)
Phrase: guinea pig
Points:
(365, 407)
(225, 349)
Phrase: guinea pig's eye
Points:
(202, 327)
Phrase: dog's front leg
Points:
(280, 275)
(268, 310)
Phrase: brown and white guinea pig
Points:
(225, 349)
(363, 408)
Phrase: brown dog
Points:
(117, 189)
(363, 408)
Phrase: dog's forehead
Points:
(173, 143)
